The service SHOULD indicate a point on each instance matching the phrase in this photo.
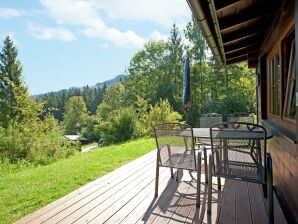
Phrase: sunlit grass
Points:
(25, 189)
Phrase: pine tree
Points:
(174, 67)
(11, 82)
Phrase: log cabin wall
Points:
(283, 147)
(262, 33)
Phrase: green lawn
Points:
(29, 188)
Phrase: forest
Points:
(32, 130)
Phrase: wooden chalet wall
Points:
(283, 147)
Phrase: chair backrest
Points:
(207, 120)
(241, 144)
(240, 117)
(175, 145)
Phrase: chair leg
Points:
(156, 180)
(270, 188)
(177, 175)
(205, 164)
(172, 173)
(210, 185)
(199, 180)
(218, 178)
(265, 190)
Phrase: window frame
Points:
(290, 80)
(283, 79)
(271, 58)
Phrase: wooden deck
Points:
(126, 195)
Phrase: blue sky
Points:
(65, 43)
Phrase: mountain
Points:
(109, 82)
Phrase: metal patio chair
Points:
(175, 149)
(239, 153)
(240, 117)
(206, 121)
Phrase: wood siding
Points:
(282, 147)
(285, 171)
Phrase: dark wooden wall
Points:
(283, 147)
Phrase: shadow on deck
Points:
(126, 195)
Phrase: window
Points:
(282, 82)
(290, 100)
(274, 84)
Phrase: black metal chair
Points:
(206, 121)
(175, 149)
(239, 153)
(240, 117)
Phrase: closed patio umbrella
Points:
(186, 85)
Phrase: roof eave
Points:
(212, 35)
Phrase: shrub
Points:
(160, 112)
(120, 127)
(38, 142)
(91, 130)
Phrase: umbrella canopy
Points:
(186, 84)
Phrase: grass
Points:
(28, 188)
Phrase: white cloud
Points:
(85, 14)
(47, 33)
(161, 12)
(10, 12)
(75, 12)
(97, 28)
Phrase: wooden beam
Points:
(251, 48)
(252, 14)
(244, 33)
(236, 53)
(249, 39)
(283, 17)
(221, 4)
(242, 44)
(237, 60)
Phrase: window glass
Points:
(290, 109)
(274, 85)
(277, 76)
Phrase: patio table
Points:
(204, 133)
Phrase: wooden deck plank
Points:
(163, 199)
(125, 169)
(227, 214)
(215, 205)
(116, 190)
(257, 206)
(126, 195)
(278, 214)
(66, 208)
(184, 207)
(147, 202)
(115, 207)
(242, 203)
(167, 212)
(131, 205)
